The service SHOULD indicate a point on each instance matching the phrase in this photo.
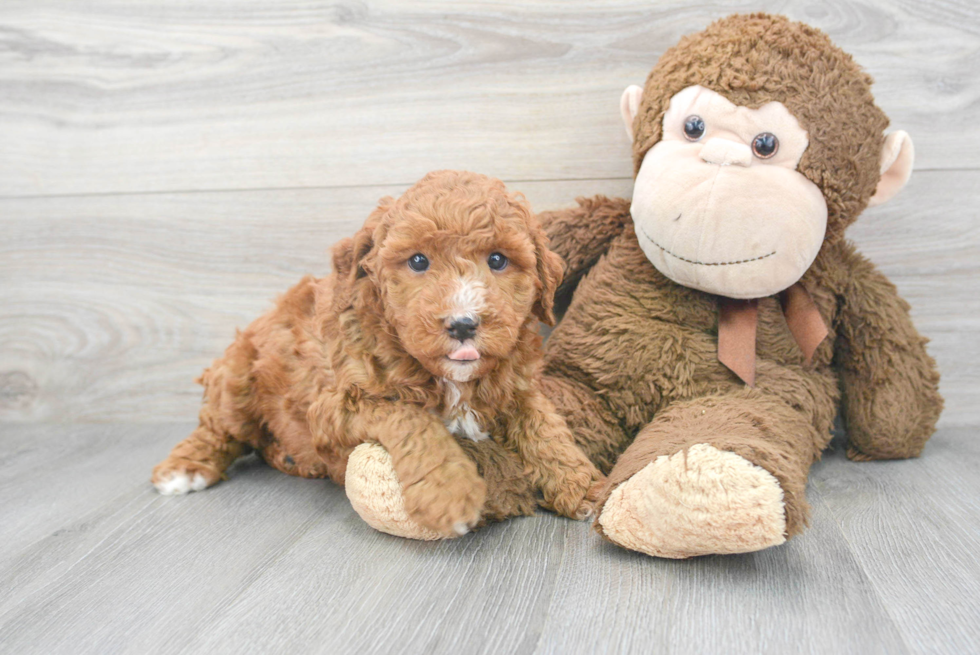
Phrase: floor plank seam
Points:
(110, 534)
(470, 550)
(259, 571)
(275, 189)
(373, 185)
(554, 591)
(860, 564)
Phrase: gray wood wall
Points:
(167, 167)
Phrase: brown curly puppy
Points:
(425, 333)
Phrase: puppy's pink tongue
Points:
(465, 354)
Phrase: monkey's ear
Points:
(629, 104)
(897, 156)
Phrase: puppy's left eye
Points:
(418, 262)
(497, 261)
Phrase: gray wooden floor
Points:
(167, 167)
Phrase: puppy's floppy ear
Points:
(550, 271)
(342, 256)
(351, 256)
(363, 244)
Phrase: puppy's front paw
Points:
(449, 499)
(178, 478)
(575, 495)
(587, 507)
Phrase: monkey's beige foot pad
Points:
(700, 502)
(376, 494)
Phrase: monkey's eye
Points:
(693, 127)
(765, 145)
(497, 261)
(418, 262)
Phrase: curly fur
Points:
(362, 356)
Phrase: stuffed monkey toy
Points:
(720, 318)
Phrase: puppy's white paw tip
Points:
(199, 482)
(460, 528)
(179, 483)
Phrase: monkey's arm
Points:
(890, 397)
(581, 234)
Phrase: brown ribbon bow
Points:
(738, 319)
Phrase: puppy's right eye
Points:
(418, 262)
(497, 261)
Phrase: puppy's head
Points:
(461, 267)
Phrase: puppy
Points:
(425, 332)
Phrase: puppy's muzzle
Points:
(462, 328)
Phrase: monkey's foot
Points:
(376, 494)
(699, 502)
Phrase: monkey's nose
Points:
(463, 328)
(725, 152)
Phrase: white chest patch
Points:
(466, 425)
(459, 418)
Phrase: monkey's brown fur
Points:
(633, 364)
(349, 359)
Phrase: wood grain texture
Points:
(41, 471)
(269, 563)
(914, 527)
(810, 596)
(490, 594)
(136, 589)
(111, 305)
(102, 97)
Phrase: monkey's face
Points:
(718, 203)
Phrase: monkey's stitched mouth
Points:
(692, 261)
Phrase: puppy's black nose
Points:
(463, 328)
